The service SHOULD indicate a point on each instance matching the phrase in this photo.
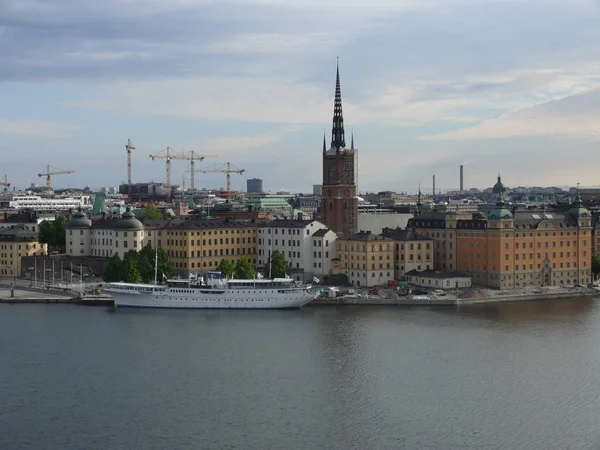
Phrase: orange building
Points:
(525, 248)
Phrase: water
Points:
(513, 376)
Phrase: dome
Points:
(498, 187)
(499, 213)
(577, 210)
(79, 220)
(128, 222)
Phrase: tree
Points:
(165, 268)
(53, 233)
(150, 212)
(278, 265)
(243, 270)
(114, 269)
(60, 233)
(596, 264)
(146, 263)
(46, 234)
(226, 267)
(131, 273)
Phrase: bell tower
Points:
(339, 205)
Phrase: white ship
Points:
(279, 293)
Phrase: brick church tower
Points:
(339, 205)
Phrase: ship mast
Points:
(156, 266)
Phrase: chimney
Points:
(461, 179)
(434, 185)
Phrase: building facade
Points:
(413, 251)
(308, 246)
(438, 280)
(339, 204)
(197, 246)
(441, 228)
(103, 237)
(366, 259)
(16, 243)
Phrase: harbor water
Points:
(508, 376)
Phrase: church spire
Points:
(338, 140)
(352, 141)
(324, 144)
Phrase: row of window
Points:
(205, 264)
(221, 241)
(295, 231)
(209, 253)
(20, 246)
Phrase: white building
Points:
(308, 250)
(103, 237)
(27, 221)
(37, 203)
(438, 280)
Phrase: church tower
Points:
(339, 205)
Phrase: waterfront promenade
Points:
(32, 295)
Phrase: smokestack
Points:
(434, 185)
(461, 179)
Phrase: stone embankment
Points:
(33, 295)
(463, 297)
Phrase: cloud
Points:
(36, 128)
(574, 116)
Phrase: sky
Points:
(500, 86)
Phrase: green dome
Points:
(128, 222)
(79, 220)
(499, 213)
(577, 210)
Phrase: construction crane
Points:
(48, 174)
(225, 168)
(4, 182)
(168, 154)
(129, 147)
(193, 156)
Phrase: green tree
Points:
(226, 267)
(145, 264)
(278, 265)
(150, 212)
(60, 233)
(114, 269)
(53, 233)
(596, 264)
(164, 265)
(46, 233)
(243, 270)
(131, 273)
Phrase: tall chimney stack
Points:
(462, 186)
(434, 185)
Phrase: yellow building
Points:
(366, 258)
(16, 243)
(199, 245)
(414, 251)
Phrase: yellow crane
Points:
(225, 168)
(128, 148)
(194, 156)
(4, 182)
(49, 174)
(168, 153)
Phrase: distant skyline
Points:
(499, 86)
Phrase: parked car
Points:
(439, 292)
(418, 292)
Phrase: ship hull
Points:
(228, 299)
